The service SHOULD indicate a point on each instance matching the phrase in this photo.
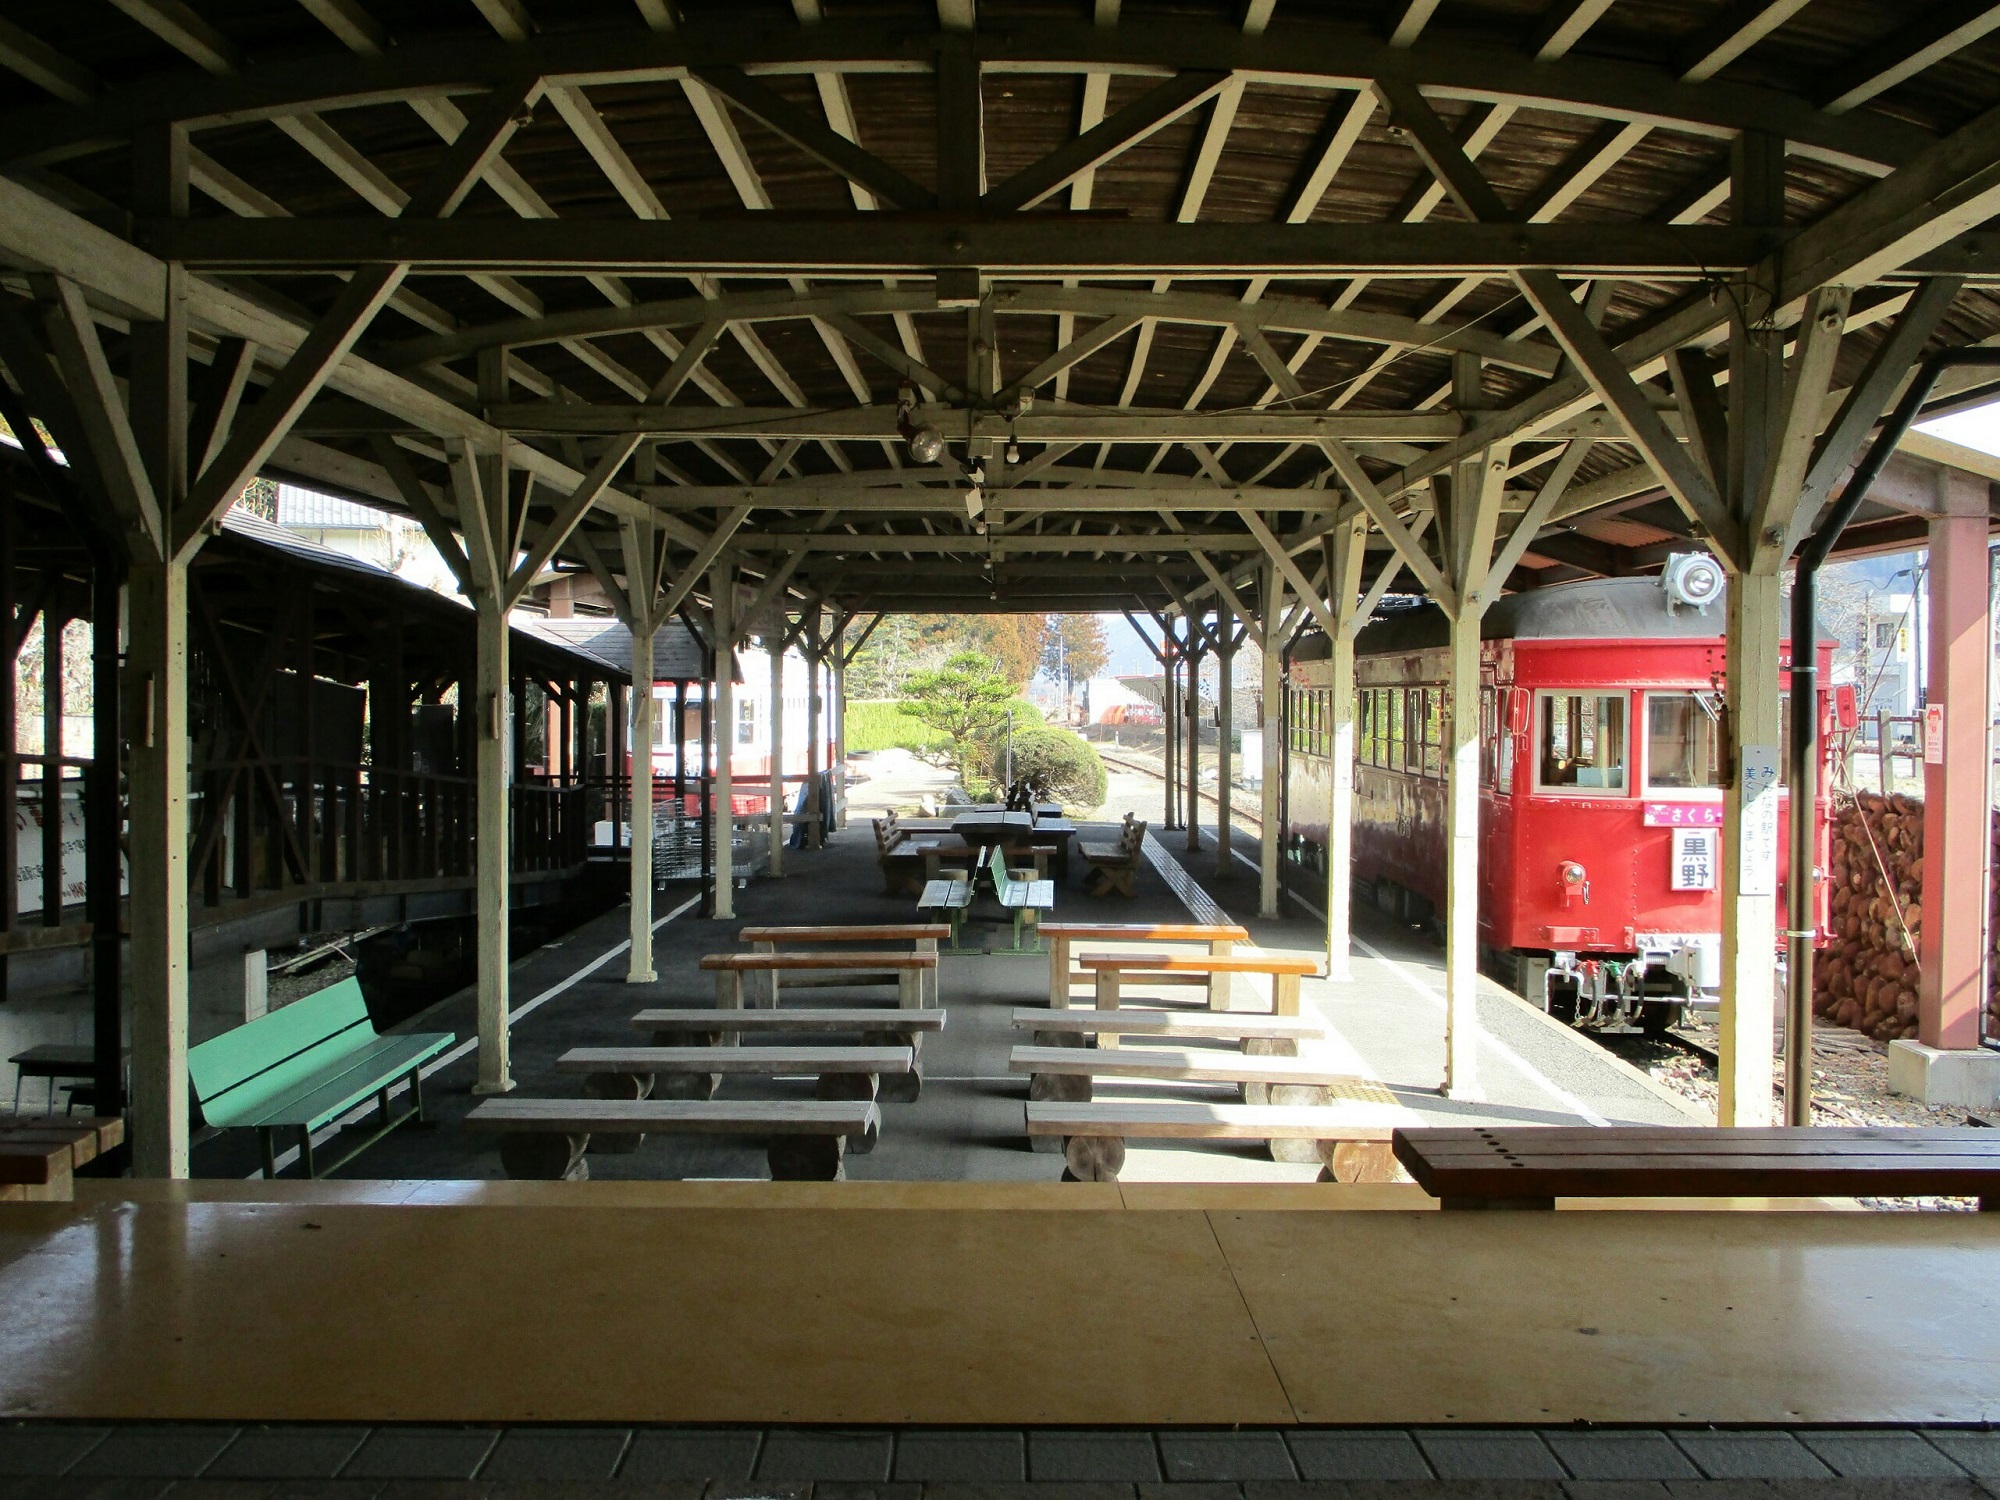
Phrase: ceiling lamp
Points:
(926, 444)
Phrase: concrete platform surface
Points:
(291, 1310)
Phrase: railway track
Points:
(1237, 814)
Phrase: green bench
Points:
(305, 1066)
(1024, 896)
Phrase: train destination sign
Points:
(1695, 861)
(1683, 815)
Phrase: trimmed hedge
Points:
(881, 724)
(1061, 763)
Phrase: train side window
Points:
(1434, 732)
(1395, 729)
(1683, 740)
(1364, 727)
(1582, 742)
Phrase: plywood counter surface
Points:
(359, 1304)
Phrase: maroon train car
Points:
(1600, 796)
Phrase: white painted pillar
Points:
(640, 968)
(837, 671)
(1225, 620)
(1750, 851)
(157, 733)
(1461, 918)
(774, 646)
(491, 800)
(1271, 658)
(1344, 586)
(1193, 767)
(815, 732)
(722, 590)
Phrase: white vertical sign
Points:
(1759, 838)
(1694, 860)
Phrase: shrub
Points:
(1062, 764)
(882, 725)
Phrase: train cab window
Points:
(1582, 742)
(1683, 740)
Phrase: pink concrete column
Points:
(1957, 818)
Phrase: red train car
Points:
(1600, 798)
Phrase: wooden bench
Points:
(1023, 895)
(1247, 1027)
(39, 1154)
(1219, 938)
(950, 895)
(305, 1066)
(1115, 866)
(1531, 1167)
(921, 936)
(1285, 970)
(842, 1072)
(859, 969)
(1079, 1065)
(1350, 1137)
(877, 1028)
(805, 1140)
(909, 853)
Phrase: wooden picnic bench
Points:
(805, 1140)
(1349, 1136)
(859, 969)
(1285, 970)
(908, 854)
(1248, 1027)
(1114, 866)
(876, 1028)
(39, 1154)
(921, 936)
(307, 1065)
(1219, 938)
(1532, 1166)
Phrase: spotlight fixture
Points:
(926, 444)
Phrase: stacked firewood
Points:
(1866, 977)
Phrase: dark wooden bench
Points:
(1114, 867)
(39, 1154)
(1532, 1166)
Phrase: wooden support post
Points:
(1170, 726)
(774, 645)
(1271, 647)
(815, 733)
(1951, 991)
(1344, 585)
(480, 485)
(1755, 613)
(722, 592)
(1225, 843)
(1193, 767)
(640, 968)
(837, 673)
(157, 732)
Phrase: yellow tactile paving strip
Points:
(740, 1302)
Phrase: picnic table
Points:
(52, 1060)
(993, 825)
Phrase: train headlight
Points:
(1575, 880)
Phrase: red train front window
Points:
(1683, 741)
(1582, 742)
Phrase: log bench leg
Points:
(807, 1158)
(1093, 1158)
(544, 1156)
(1061, 1088)
(853, 1086)
(1298, 1152)
(1358, 1161)
(619, 1086)
(899, 1088)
